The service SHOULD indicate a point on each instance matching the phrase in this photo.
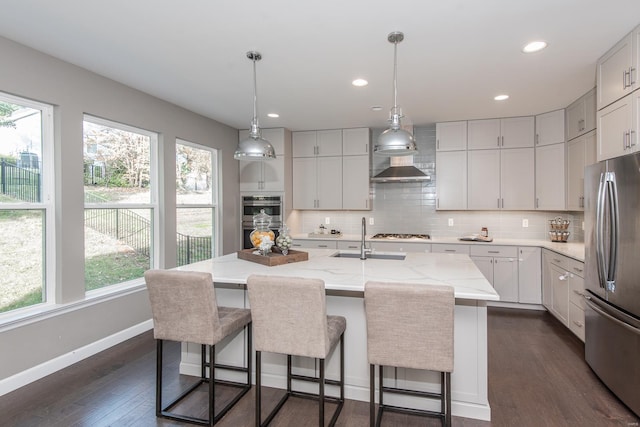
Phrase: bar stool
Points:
(184, 308)
(410, 326)
(290, 317)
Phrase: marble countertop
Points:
(350, 274)
(571, 249)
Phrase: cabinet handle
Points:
(537, 138)
(493, 252)
(498, 203)
(579, 270)
(449, 250)
(578, 324)
(564, 277)
(322, 246)
(537, 203)
(502, 200)
(575, 291)
(502, 137)
(624, 79)
(437, 144)
(498, 141)
(437, 203)
(352, 247)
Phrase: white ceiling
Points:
(456, 55)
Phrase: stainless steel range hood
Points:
(401, 169)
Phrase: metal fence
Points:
(135, 231)
(19, 183)
(121, 224)
(193, 248)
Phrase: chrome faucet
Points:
(363, 249)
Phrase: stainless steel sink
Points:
(396, 256)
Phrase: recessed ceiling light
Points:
(501, 97)
(534, 46)
(359, 82)
(376, 108)
(273, 115)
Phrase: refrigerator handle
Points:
(595, 308)
(614, 230)
(599, 244)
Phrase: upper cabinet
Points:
(580, 153)
(515, 132)
(451, 180)
(581, 115)
(356, 141)
(451, 136)
(550, 128)
(320, 143)
(550, 177)
(617, 70)
(618, 126)
(268, 175)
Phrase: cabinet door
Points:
(612, 83)
(505, 278)
(483, 134)
(547, 285)
(485, 265)
(355, 183)
(560, 290)
(517, 179)
(329, 182)
(250, 175)
(518, 132)
(576, 115)
(304, 143)
(614, 126)
(529, 276)
(451, 136)
(550, 181)
(276, 138)
(329, 142)
(304, 183)
(483, 175)
(356, 141)
(273, 174)
(550, 128)
(575, 174)
(451, 180)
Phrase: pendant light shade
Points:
(254, 147)
(395, 141)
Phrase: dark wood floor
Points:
(537, 377)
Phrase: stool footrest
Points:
(412, 392)
(314, 379)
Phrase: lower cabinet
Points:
(400, 246)
(529, 275)
(314, 244)
(499, 264)
(563, 290)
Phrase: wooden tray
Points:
(273, 258)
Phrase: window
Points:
(26, 203)
(196, 199)
(120, 195)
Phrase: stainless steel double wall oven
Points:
(252, 205)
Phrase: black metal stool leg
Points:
(372, 395)
(158, 377)
(212, 384)
(258, 387)
(321, 394)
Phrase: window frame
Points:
(216, 239)
(153, 204)
(46, 205)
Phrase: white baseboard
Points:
(28, 376)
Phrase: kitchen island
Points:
(344, 280)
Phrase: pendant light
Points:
(395, 141)
(254, 147)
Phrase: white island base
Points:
(469, 378)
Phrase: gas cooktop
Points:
(391, 236)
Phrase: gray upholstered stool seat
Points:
(184, 308)
(290, 317)
(410, 326)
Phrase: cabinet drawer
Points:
(348, 245)
(576, 291)
(401, 246)
(569, 264)
(494, 251)
(450, 249)
(318, 244)
(576, 320)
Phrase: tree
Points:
(6, 110)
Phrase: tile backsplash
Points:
(410, 207)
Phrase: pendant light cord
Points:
(395, 77)
(255, 93)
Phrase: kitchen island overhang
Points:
(344, 280)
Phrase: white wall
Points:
(74, 91)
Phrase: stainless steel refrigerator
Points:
(612, 297)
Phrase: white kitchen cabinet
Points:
(451, 180)
(499, 264)
(581, 152)
(550, 128)
(317, 183)
(617, 70)
(267, 175)
(529, 275)
(356, 141)
(447, 248)
(501, 179)
(514, 132)
(355, 183)
(563, 290)
(348, 245)
(314, 243)
(618, 127)
(550, 177)
(451, 136)
(315, 143)
(399, 246)
(581, 115)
